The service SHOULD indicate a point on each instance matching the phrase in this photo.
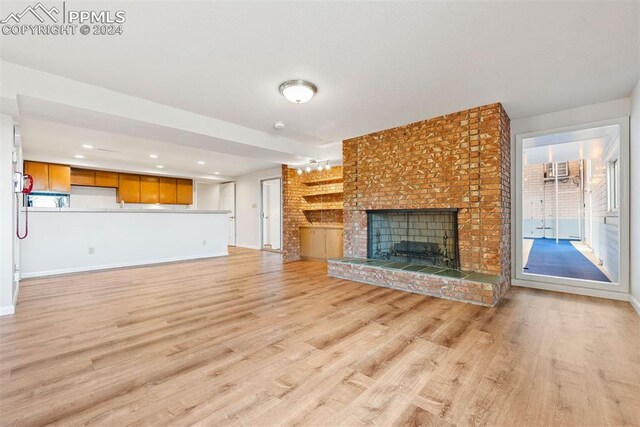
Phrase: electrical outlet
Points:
(92, 251)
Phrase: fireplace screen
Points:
(423, 236)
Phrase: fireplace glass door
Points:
(424, 236)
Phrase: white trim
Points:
(121, 265)
(15, 296)
(559, 283)
(7, 310)
(599, 293)
(634, 303)
(248, 246)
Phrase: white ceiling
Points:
(377, 64)
(59, 143)
(591, 143)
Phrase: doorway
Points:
(271, 214)
(228, 203)
(572, 207)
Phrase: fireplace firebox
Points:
(421, 236)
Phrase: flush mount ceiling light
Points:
(79, 156)
(160, 167)
(87, 146)
(298, 91)
(201, 162)
(278, 125)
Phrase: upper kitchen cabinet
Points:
(84, 177)
(49, 177)
(128, 188)
(184, 194)
(168, 191)
(149, 189)
(40, 174)
(106, 179)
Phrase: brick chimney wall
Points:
(460, 160)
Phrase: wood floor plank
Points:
(250, 340)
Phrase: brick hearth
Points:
(460, 160)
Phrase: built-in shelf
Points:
(324, 190)
(323, 180)
(332, 206)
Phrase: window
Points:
(613, 185)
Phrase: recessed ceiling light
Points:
(153, 156)
(87, 146)
(298, 91)
(160, 167)
(201, 162)
(217, 173)
(278, 125)
(79, 156)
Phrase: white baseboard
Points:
(634, 303)
(247, 246)
(7, 310)
(119, 265)
(599, 293)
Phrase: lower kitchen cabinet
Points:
(320, 243)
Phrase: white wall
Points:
(207, 196)
(7, 216)
(635, 198)
(248, 206)
(71, 241)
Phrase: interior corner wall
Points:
(248, 206)
(7, 216)
(634, 192)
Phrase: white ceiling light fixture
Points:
(79, 156)
(153, 156)
(201, 162)
(87, 146)
(160, 167)
(278, 125)
(217, 173)
(298, 91)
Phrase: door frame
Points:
(261, 215)
(235, 210)
(563, 284)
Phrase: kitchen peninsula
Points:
(70, 240)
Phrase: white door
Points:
(228, 203)
(271, 214)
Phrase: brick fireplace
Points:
(458, 163)
(419, 236)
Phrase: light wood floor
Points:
(250, 340)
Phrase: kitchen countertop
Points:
(126, 210)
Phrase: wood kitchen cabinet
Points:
(149, 189)
(320, 243)
(49, 176)
(184, 191)
(40, 174)
(59, 178)
(84, 177)
(128, 188)
(107, 179)
(168, 190)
